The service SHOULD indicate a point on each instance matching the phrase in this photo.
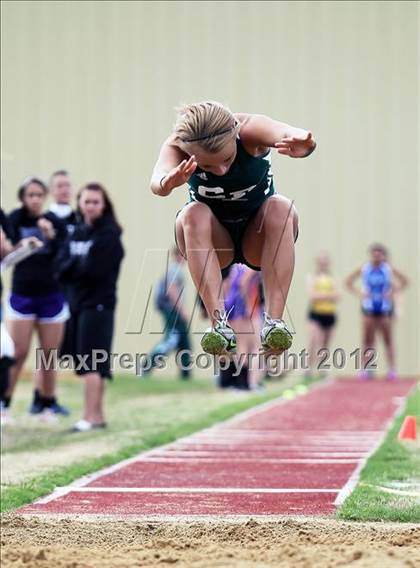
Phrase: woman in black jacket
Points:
(91, 265)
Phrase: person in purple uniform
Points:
(36, 303)
(242, 305)
(380, 283)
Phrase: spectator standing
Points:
(36, 302)
(380, 283)
(90, 265)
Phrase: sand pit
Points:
(277, 542)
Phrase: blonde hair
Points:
(208, 124)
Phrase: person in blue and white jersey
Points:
(380, 281)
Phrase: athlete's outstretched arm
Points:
(172, 169)
(264, 132)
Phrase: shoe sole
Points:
(277, 341)
(214, 344)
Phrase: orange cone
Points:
(408, 429)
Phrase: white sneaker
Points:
(220, 339)
(47, 416)
(85, 426)
(5, 417)
(275, 337)
(82, 426)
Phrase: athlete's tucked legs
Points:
(208, 248)
(269, 243)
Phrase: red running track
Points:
(297, 457)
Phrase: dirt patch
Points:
(39, 542)
(20, 467)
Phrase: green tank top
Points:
(236, 194)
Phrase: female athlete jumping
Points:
(234, 213)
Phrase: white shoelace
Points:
(222, 317)
(270, 321)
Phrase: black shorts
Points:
(379, 314)
(326, 321)
(88, 340)
(236, 229)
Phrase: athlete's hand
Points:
(179, 175)
(296, 146)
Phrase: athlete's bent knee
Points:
(280, 214)
(196, 217)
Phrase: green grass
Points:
(393, 462)
(142, 414)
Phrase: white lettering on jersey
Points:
(241, 192)
(80, 248)
(202, 176)
(211, 192)
(219, 192)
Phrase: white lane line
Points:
(275, 447)
(261, 456)
(193, 459)
(302, 431)
(282, 442)
(286, 434)
(278, 439)
(253, 442)
(198, 490)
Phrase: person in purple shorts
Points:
(36, 301)
(242, 302)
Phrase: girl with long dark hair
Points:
(90, 266)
